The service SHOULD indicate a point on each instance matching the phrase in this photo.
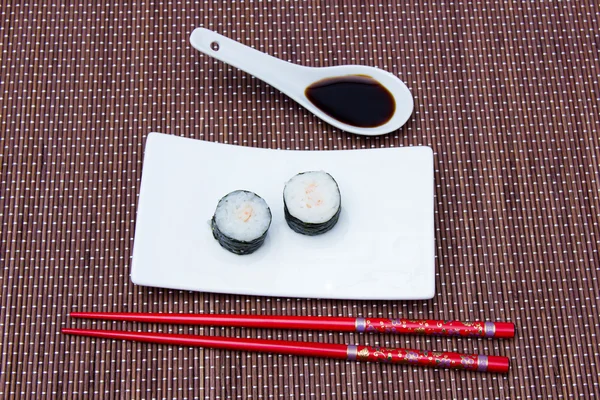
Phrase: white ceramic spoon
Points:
(293, 79)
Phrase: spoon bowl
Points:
(293, 79)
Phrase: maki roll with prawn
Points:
(241, 222)
(312, 203)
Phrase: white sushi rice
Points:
(312, 197)
(242, 216)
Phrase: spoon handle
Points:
(278, 73)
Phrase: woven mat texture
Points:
(506, 94)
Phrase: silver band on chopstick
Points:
(360, 324)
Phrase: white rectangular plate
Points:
(381, 248)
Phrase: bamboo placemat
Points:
(506, 94)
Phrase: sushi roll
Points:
(312, 203)
(241, 222)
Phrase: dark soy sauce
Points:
(356, 100)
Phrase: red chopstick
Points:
(343, 324)
(472, 362)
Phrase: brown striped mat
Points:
(506, 94)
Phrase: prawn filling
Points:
(241, 222)
(312, 202)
